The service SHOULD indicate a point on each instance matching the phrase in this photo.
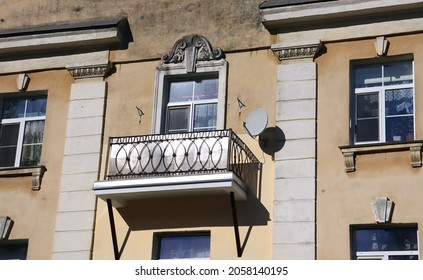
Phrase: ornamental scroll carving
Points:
(192, 49)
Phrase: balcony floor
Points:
(122, 191)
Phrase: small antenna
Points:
(140, 113)
(241, 105)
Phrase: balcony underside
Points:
(120, 192)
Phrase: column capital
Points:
(297, 50)
(92, 70)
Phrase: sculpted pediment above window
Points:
(191, 49)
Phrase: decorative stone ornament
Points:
(297, 50)
(6, 224)
(90, 71)
(381, 46)
(22, 82)
(382, 209)
(192, 48)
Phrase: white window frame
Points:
(203, 68)
(380, 90)
(22, 122)
(384, 255)
(190, 104)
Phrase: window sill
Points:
(351, 151)
(36, 172)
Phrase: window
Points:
(192, 105)
(182, 246)
(22, 131)
(190, 102)
(383, 103)
(13, 249)
(378, 242)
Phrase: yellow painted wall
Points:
(345, 198)
(34, 212)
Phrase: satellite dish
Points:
(256, 122)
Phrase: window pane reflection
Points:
(182, 247)
(205, 116)
(386, 239)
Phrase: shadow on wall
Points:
(194, 211)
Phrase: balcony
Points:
(197, 163)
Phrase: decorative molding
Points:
(297, 50)
(382, 209)
(192, 48)
(349, 152)
(381, 46)
(22, 81)
(6, 224)
(36, 172)
(90, 71)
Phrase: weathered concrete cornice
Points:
(56, 40)
(297, 50)
(90, 71)
(276, 17)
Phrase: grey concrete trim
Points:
(350, 152)
(58, 39)
(296, 50)
(334, 11)
(36, 172)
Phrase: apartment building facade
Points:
(193, 129)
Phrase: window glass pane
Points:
(34, 132)
(9, 134)
(399, 128)
(404, 257)
(36, 107)
(398, 73)
(180, 247)
(8, 144)
(13, 251)
(367, 130)
(206, 89)
(13, 108)
(205, 116)
(178, 119)
(7, 156)
(181, 91)
(399, 102)
(368, 76)
(386, 239)
(367, 105)
(31, 155)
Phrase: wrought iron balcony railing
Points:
(182, 154)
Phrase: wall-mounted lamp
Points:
(140, 113)
(241, 105)
(22, 81)
(6, 224)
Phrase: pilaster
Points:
(294, 215)
(81, 163)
